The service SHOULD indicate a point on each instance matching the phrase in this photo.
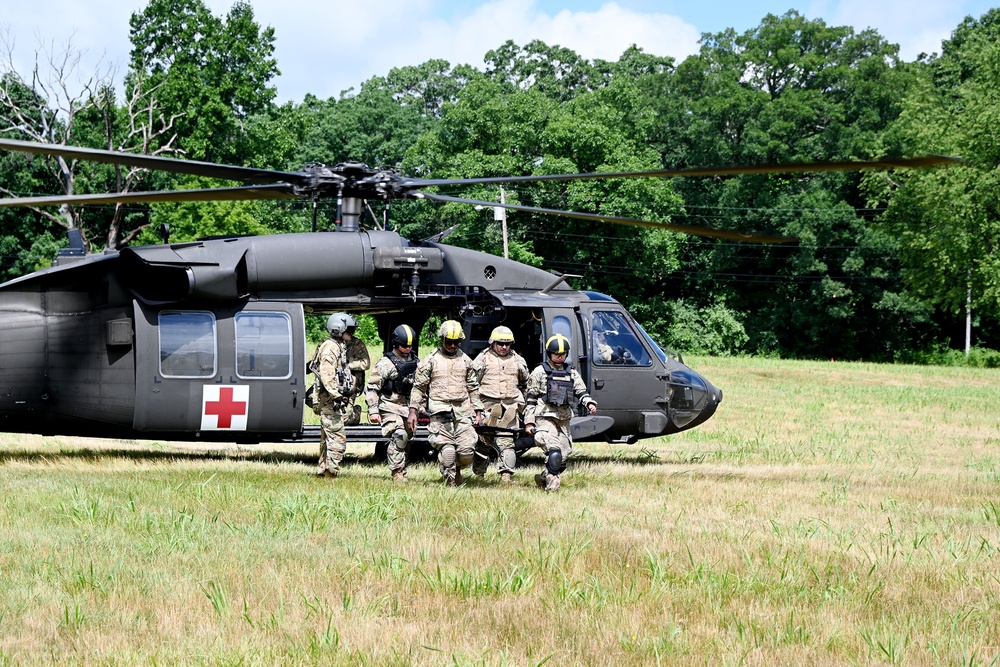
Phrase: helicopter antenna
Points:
(442, 235)
(561, 279)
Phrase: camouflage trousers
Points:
(394, 428)
(332, 438)
(455, 441)
(553, 434)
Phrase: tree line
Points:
(886, 266)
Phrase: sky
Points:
(326, 47)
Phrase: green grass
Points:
(830, 513)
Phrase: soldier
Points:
(358, 362)
(333, 385)
(446, 386)
(553, 389)
(502, 375)
(605, 355)
(388, 396)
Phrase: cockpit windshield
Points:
(652, 343)
(615, 343)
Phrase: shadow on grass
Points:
(146, 455)
(531, 458)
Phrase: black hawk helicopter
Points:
(206, 340)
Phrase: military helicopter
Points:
(206, 339)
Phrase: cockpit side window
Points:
(615, 341)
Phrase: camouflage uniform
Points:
(358, 362)
(383, 397)
(501, 379)
(331, 382)
(552, 421)
(446, 386)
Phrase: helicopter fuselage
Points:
(207, 339)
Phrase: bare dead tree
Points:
(146, 130)
(44, 106)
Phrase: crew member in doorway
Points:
(358, 362)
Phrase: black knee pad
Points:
(554, 463)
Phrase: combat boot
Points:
(458, 477)
(552, 484)
(540, 480)
(493, 418)
(399, 476)
(506, 478)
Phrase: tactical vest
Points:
(499, 377)
(345, 379)
(559, 385)
(448, 377)
(405, 369)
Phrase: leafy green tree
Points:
(949, 219)
(789, 90)
(553, 71)
(212, 73)
(518, 121)
(378, 124)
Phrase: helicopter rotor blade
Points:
(685, 229)
(240, 193)
(174, 165)
(792, 168)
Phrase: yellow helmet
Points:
(557, 344)
(404, 336)
(501, 335)
(451, 330)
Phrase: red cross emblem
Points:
(224, 407)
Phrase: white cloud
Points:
(325, 47)
(918, 26)
(334, 49)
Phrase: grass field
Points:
(830, 513)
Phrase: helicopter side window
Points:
(187, 344)
(615, 342)
(263, 345)
(562, 325)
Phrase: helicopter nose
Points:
(693, 399)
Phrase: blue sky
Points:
(325, 47)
